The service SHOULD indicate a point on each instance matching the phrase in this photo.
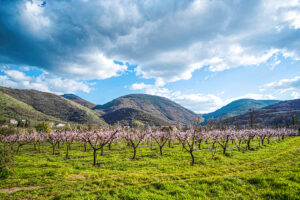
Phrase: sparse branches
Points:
(134, 137)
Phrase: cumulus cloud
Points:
(139, 86)
(283, 85)
(296, 95)
(43, 82)
(168, 40)
(291, 85)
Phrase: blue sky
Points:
(202, 54)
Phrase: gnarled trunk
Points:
(193, 158)
(134, 153)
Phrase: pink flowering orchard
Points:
(190, 139)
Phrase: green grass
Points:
(268, 172)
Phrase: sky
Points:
(201, 54)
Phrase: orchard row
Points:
(190, 140)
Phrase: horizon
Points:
(201, 54)
(160, 96)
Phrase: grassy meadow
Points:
(271, 171)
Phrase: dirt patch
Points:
(78, 176)
(16, 189)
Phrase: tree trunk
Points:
(193, 159)
(67, 153)
(134, 153)
(199, 144)
(248, 144)
(109, 146)
(95, 157)
(84, 147)
(225, 146)
(160, 150)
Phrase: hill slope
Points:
(13, 108)
(126, 117)
(275, 115)
(79, 100)
(238, 107)
(54, 105)
(143, 106)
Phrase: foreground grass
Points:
(267, 172)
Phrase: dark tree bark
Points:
(95, 157)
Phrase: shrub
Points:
(43, 127)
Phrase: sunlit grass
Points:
(266, 172)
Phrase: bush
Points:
(43, 127)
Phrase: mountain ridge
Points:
(159, 107)
(54, 105)
(281, 113)
(79, 100)
(237, 107)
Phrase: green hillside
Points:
(54, 105)
(13, 108)
(79, 100)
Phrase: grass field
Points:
(266, 172)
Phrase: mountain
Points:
(79, 100)
(52, 105)
(127, 116)
(145, 108)
(11, 108)
(238, 107)
(282, 113)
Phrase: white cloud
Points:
(33, 17)
(139, 86)
(200, 103)
(43, 82)
(283, 85)
(93, 65)
(168, 40)
(189, 45)
(296, 95)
